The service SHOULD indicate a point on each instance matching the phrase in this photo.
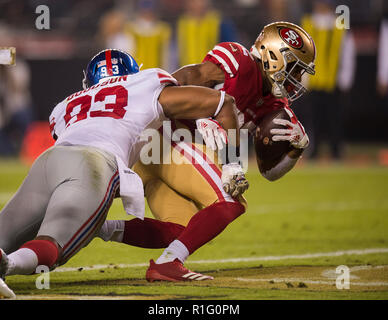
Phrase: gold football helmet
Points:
(286, 51)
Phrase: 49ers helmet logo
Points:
(291, 37)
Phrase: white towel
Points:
(131, 190)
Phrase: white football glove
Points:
(294, 133)
(233, 179)
(213, 134)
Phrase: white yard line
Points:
(308, 281)
(74, 297)
(331, 274)
(237, 260)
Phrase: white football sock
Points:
(112, 230)
(22, 261)
(175, 250)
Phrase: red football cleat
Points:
(172, 271)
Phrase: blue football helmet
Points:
(108, 63)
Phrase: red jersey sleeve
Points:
(227, 56)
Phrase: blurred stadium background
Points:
(345, 116)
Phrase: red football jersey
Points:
(244, 82)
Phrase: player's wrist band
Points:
(220, 104)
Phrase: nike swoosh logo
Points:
(233, 48)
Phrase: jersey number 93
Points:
(86, 105)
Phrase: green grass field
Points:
(286, 246)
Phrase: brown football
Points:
(268, 152)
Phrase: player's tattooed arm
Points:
(205, 74)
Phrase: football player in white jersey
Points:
(69, 189)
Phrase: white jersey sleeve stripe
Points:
(206, 168)
(222, 61)
(229, 55)
(172, 80)
(165, 77)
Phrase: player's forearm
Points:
(204, 74)
(228, 119)
(187, 75)
(295, 153)
(278, 171)
(194, 102)
(286, 164)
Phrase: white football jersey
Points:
(112, 114)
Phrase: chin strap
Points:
(278, 90)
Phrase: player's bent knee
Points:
(151, 186)
(144, 172)
(230, 210)
(236, 208)
(239, 206)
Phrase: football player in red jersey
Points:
(188, 200)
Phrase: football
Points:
(268, 152)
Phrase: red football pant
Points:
(203, 227)
(150, 233)
(208, 223)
